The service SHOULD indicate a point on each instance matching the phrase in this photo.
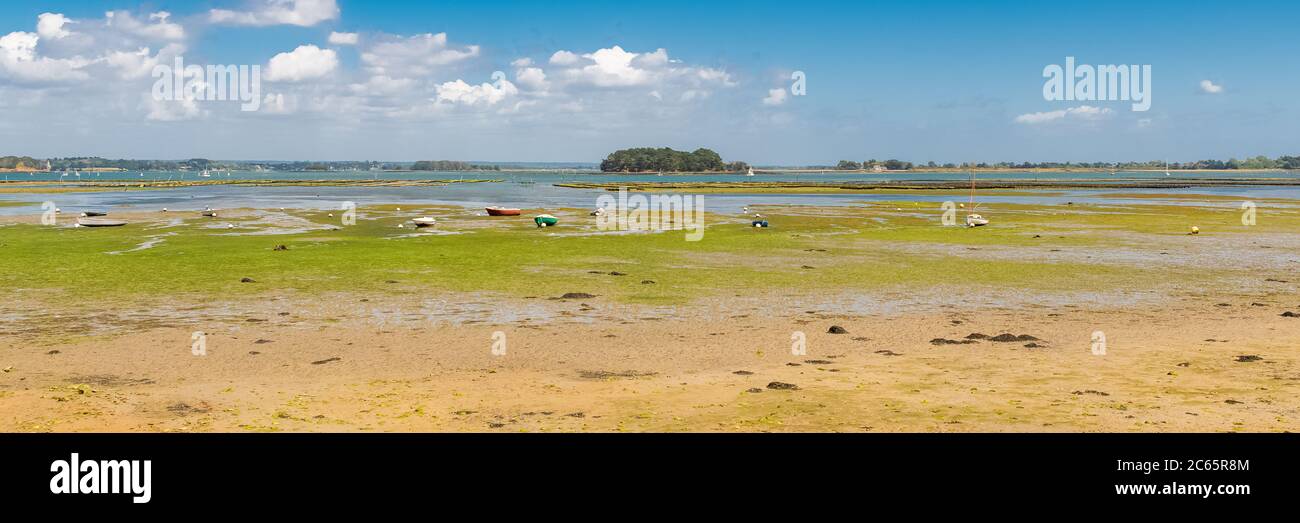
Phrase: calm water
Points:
(537, 190)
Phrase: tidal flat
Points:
(309, 323)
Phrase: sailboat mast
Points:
(972, 186)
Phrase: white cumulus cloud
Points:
(118, 48)
(343, 38)
(51, 26)
(418, 55)
(1082, 112)
(1210, 87)
(279, 12)
(459, 92)
(775, 97)
(564, 58)
(617, 67)
(532, 78)
(182, 108)
(156, 28)
(19, 60)
(610, 67)
(307, 62)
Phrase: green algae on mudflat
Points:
(866, 247)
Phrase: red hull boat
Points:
(500, 211)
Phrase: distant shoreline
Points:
(1176, 183)
(727, 186)
(168, 184)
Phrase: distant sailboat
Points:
(1166, 167)
(972, 219)
(750, 172)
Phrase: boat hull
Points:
(100, 223)
(498, 211)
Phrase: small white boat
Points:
(99, 222)
(750, 172)
(425, 222)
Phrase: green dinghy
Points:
(545, 220)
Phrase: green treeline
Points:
(663, 159)
(448, 165)
(21, 162)
(1258, 162)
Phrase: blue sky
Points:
(942, 81)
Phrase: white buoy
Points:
(400, 226)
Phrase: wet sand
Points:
(1189, 365)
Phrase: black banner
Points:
(325, 471)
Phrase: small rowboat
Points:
(760, 223)
(425, 222)
(502, 211)
(94, 213)
(975, 220)
(99, 222)
(545, 220)
(209, 214)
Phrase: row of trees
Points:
(21, 162)
(199, 164)
(892, 165)
(626, 160)
(1258, 162)
(649, 159)
(447, 165)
